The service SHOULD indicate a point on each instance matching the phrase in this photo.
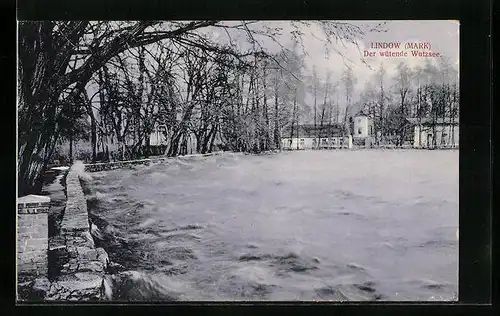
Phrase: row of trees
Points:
(332, 101)
(428, 92)
(114, 82)
(241, 103)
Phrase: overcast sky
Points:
(442, 35)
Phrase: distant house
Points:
(363, 126)
(363, 130)
(308, 136)
(431, 133)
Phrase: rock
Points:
(91, 266)
(82, 286)
(102, 256)
(88, 238)
(56, 243)
(114, 267)
(85, 253)
(41, 287)
(53, 294)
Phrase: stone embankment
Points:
(95, 167)
(79, 265)
(81, 275)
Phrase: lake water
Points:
(309, 225)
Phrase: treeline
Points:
(429, 92)
(239, 103)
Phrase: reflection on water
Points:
(367, 225)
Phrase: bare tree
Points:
(348, 80)
(326, 87)
(403, 88)
(380, 79)
(57, 59)
(314, 87)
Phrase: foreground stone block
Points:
(84, 286)
(33, 236)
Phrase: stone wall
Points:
(81, 276)
(95, 167)
(118, 164)
(32, 236)
(83, 266)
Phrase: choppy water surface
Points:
(322, 225)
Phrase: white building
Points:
(363, 126)
(429, 133)
(363, 130)
(308, 136)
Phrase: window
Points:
(302, 140)
(334, 140)
(371, 130)
(359, 131)
(324, 141)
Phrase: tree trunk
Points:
(93, 137)
(292, 129)
(315, 111)
(277, 140)
(71, 147)
(35, 145)
(297, 115)
(212, 138)
(266, 118)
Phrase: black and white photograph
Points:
(253, 160)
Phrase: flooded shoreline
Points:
(292, 226)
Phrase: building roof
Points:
(360, 113)
(431, 121)
(309, 130)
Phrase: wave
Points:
(354, 292)
(426, 283)
(249, 282)
(439, 244)
(186, 227)
(180, 237)
(290, 262)
(146, 223)
(137, 286)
